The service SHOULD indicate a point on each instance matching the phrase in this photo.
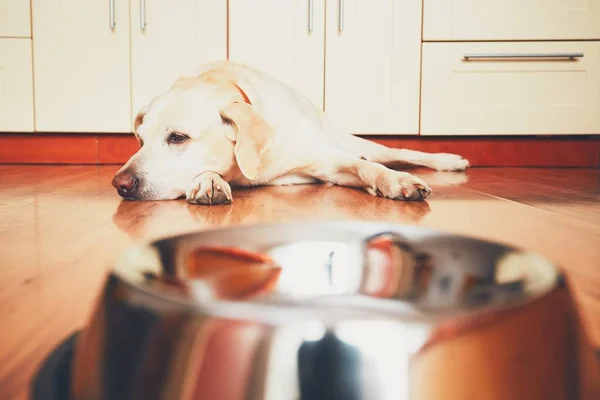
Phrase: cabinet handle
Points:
(111, 13)
(341, 16)
(310, 15)
(142, 14)
(570, 56)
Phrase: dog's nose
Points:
(125, 183)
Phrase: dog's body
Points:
(227, 124)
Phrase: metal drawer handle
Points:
(310, 15)
(142, 14)
(111, 11)
(570, 56)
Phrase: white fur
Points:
(304, 146)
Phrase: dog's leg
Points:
(373, 177)
(209, 188)
(375, 152)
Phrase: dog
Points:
(226, 124)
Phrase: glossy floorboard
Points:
(61, 227)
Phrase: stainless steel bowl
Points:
(330, 310)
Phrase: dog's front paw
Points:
(209, 189)
(401, 186)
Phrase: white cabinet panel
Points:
(168, 41)
(15, 18)
(510, 96)
(16, 86)
(282, 38)
(82, 72)
(373, 55)
(511, 19)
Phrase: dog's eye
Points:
(177, 138)
(226, 120)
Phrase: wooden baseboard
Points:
(35, 148)
(483, 151)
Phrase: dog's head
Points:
(205, 123)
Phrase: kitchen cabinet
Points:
(16, 85)
(284, 39)
(373, 53)
(15, 19)
(372, 66)
(511, 88)
(168, 41)
(81, 65)
(511, 20)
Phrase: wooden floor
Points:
(61, 227)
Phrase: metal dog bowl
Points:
(328, 310)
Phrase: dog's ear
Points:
(139, 119)
(253, 137)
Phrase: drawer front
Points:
(16, 86)
(511, 19)
(510, 96)
(15, 18)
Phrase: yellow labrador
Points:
(227, 124)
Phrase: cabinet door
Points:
(167, 41)
(81, 65)
(16, 86)
(282, 38)
(494, 88)
(372, 65)
(15, 18)
(511, 19)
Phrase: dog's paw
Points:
(401, 186)
(449, 162)
(209, 189)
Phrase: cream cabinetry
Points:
(511, 20)
(98, 62)
(16, 82)
(373, 65)
(511, 88)
(15, 18)
(377, 67)
(282, 38)
(81, 71)
(16, 86)
(510, 67)
(168, 40)
(361, 65)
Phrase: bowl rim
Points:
(236, 309)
